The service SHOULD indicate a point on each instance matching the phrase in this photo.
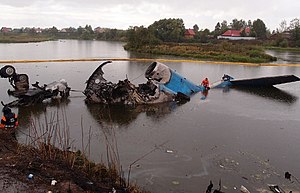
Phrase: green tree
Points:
(86, 35)
(295, 23)
(89, 29)
(224, 26)
(260, 28)
(53, 30)
(195, 28)
(138, 37)
(237, 24)
(296, 36)
(202, 35)
(249, 24)
(80, 31)
(168, 30)
(282, 27)
(217, 30)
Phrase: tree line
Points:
(173, 30)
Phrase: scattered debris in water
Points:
(244, 189)
(275, 188)
(170, 151)
(53, 182)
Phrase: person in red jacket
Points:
(205, 83)
(9, 119)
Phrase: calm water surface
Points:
(243, 137)
(285, 56)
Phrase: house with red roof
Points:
(236, 34)
(232, 33)
(6, 29)
(189, 33)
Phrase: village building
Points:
(189, 33)
(236, 34)
(284, 35)
(100, 30)
(6, 29)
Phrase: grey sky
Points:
(121, 14)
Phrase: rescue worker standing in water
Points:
(205, 83)
(9, 119)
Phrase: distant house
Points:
(285, 35)
(64, 30)
(100, 30)
(232, 33)
(236, 35)
(38, 30)
(6, 29)
(189, 33)
(17, 30)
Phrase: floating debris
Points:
(175, 182)
(209, 187)
(170, 151)
(244, 189)
(30, 176)
(287, 175)
(275, 188)
(53, 182)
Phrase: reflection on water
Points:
(26, 113)
(285, 56)
(123, 115)
(272, 93)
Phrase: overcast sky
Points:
(121, 14)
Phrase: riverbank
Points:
(43, 169)
(220, 51)
(24, 38)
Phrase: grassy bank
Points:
(23, 38)
(223, 51)
(72, 171)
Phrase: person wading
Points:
(205, 83)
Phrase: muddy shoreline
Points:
(27, 169)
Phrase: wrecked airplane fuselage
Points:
(36, 94)
(163, 85)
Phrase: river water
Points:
(241, 137)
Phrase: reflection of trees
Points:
(124, 115)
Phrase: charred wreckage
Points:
(163, 85)
(27, 95)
